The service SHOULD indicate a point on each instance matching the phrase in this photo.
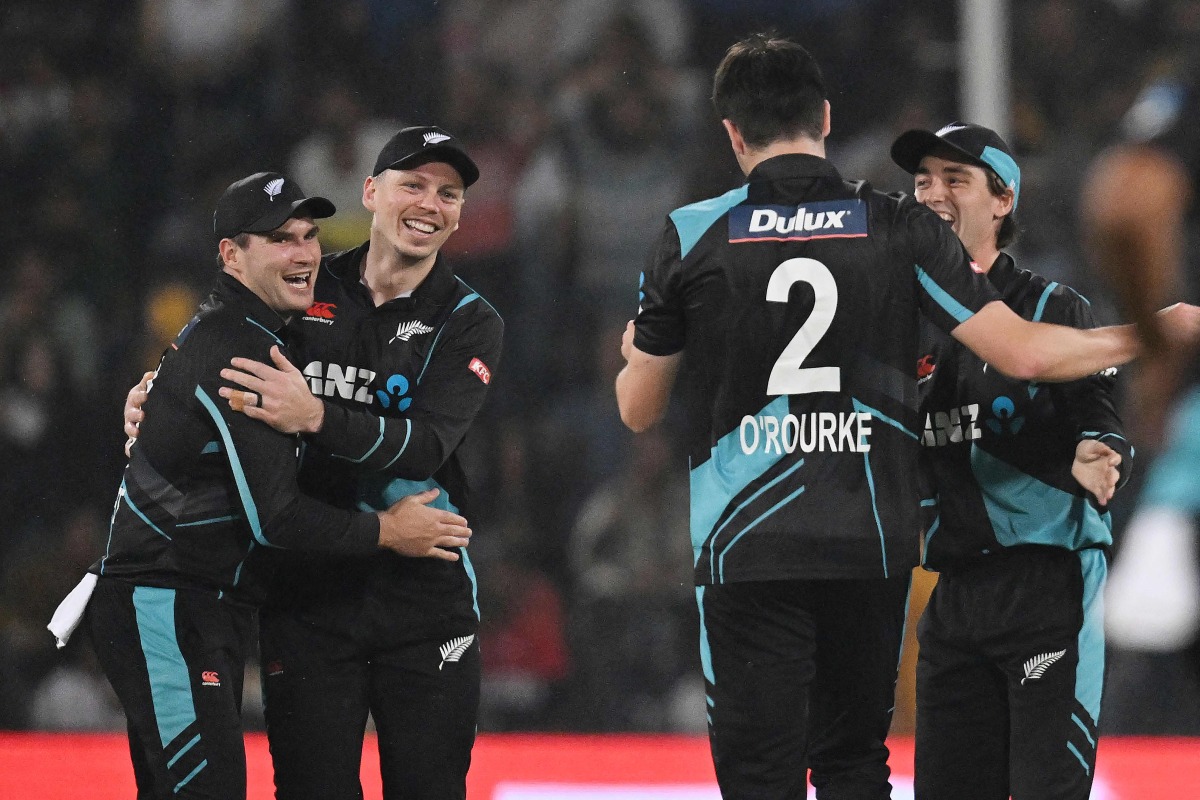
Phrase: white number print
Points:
(787, 376)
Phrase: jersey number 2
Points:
(787, 376)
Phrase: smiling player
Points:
(1011, 664)
(205, 490)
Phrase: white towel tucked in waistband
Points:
(70, 611)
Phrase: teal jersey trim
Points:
(875, 510)
(468, 299)
(239, 475)
(745, 530)
(940, 296)
(170, 688)
(213, 521)
(1089, 674)
(693, 221)
(470, 569)
(383, 495)
(1041, 306)
(705, 649)
(138, 511)
(1023, 510)
(736, 511)
(191, 775)
(404, 446)
(195, 740)
(723, 476)
(879, 415)
(266, 330)
(373, 448)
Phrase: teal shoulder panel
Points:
(691, 222)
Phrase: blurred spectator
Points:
(500, 123)
(337, 156)
(213, 78)
(582, 23)
(37, 687)
(37, 299)
(522, 641)
(634, 636)
(508, 35)
(626, 119)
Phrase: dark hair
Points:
(1008, 226)
(771, 89)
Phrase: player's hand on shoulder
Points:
(276, 394)
(411, 527)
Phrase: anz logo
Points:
(952, 427)
(962, 424)
(335, 380)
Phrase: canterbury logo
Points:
(453, 650)
(434, 138)
(210, 678)
(407, 330)
(273, 188)
(1036, 667)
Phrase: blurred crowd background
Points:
(122, 120)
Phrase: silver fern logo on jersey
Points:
(453, 650)
(273, 188)
(1036, 667)
(407, 330)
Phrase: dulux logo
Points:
(833, 219)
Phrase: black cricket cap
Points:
(423, 144)
(262, 202)
(974, 143)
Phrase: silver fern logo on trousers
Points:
(453, 650)
(407, 330)
(1036, 667)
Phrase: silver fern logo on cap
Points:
(273, 188)
(433, 137)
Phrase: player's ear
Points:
(368, 198)
(736, 140)
(1004, 204)
(229, 252)
(827, 124)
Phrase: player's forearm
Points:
(1035, 351)
(1059, 353)
(640, 405)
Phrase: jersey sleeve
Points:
(950, 290)
(448, 394)
(263, 465)
(659, 328)
(1088, 402)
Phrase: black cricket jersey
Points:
(796, 299)
(402, 383)
(999, 451)
(206, 485)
